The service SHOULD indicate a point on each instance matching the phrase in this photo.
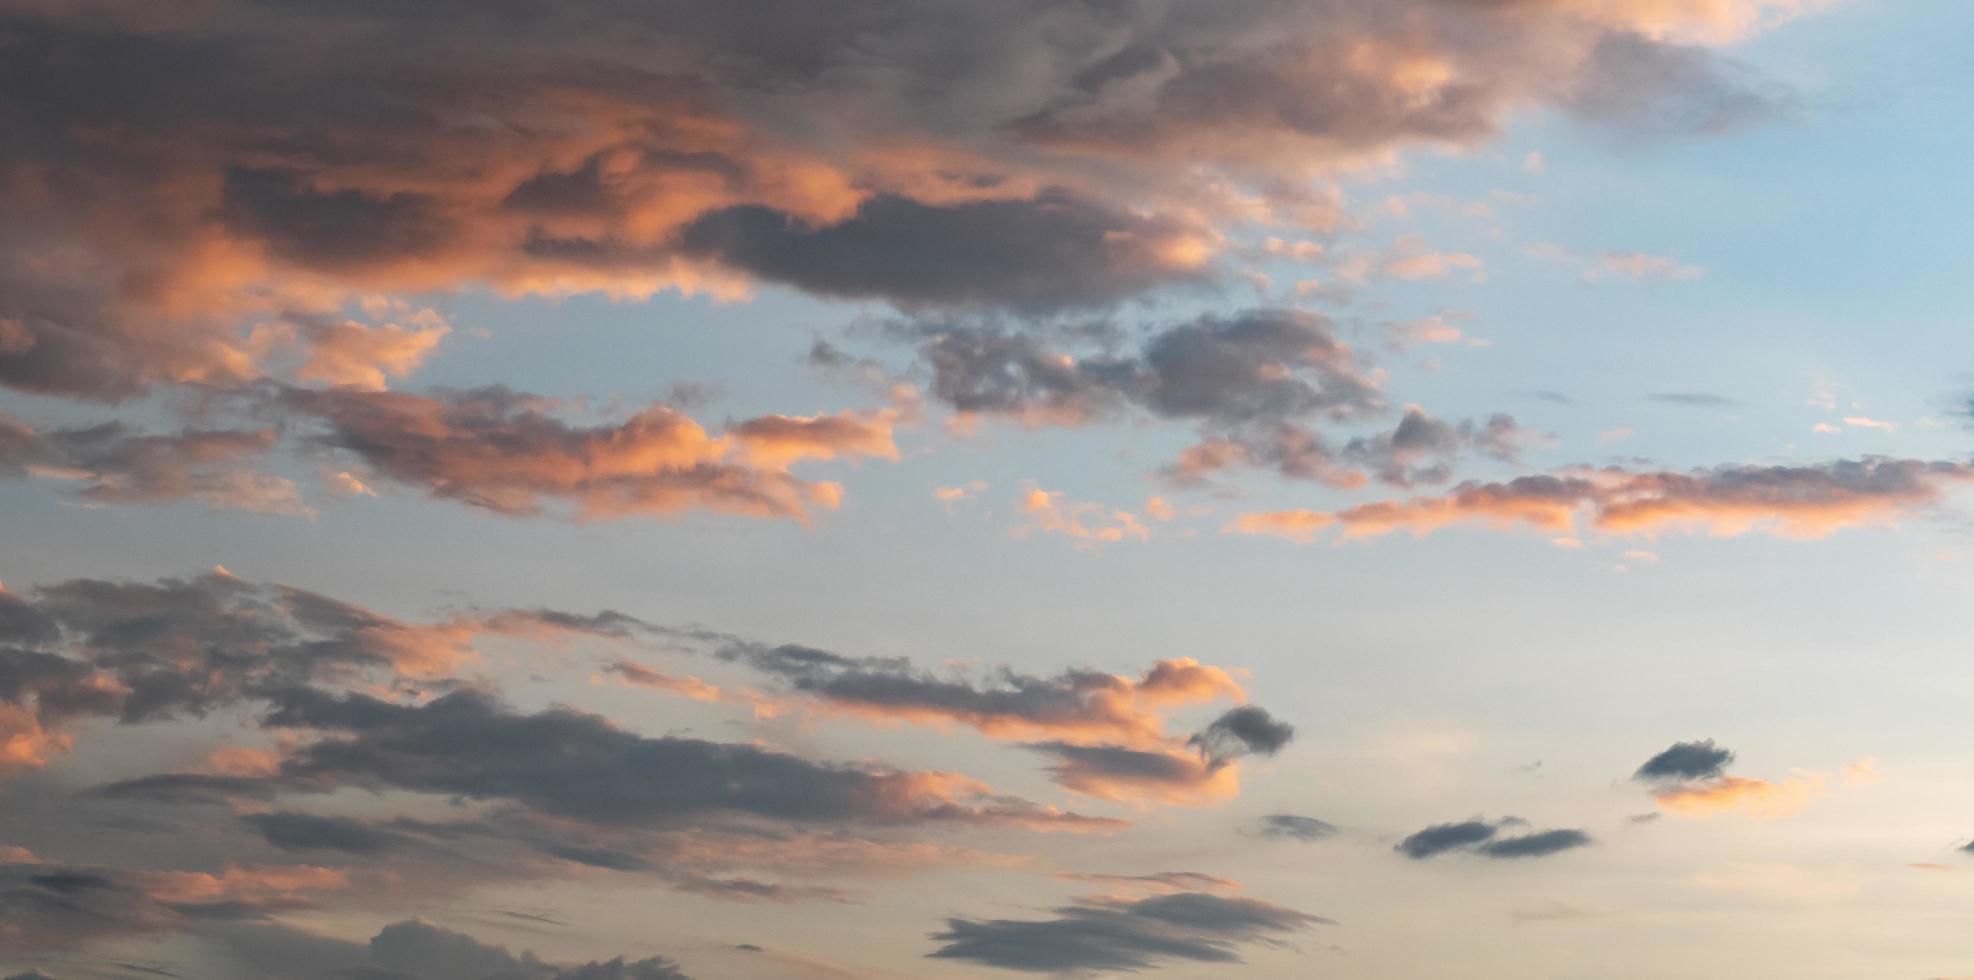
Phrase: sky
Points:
(641, 489)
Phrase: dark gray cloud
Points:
(1539, 844)
(291, 831)
(1442, 837)
(1686, 760)
(1246, 730)
(1054, 251)
(564, 763)
(1098, 935)
(410, 950)
(1483, 838)
(1289, 826)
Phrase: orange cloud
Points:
(631, 672)
(1760, 798)
(778, 440)
(1089, 524)
(24, 743)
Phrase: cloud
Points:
(1112, 935)
(1805, 501)
(1255, 366)
(1442, 837)
(1289, 826)
(1694, 399)
(1539, 844)
(1077, 157)
(1112, 772)
(631, 672)
(412, 950)
(1246, 730)
(1687, 760)
(509, 453)
(1483, 838)
(1422, 449)
(1639, 265)
(1163, 881)
(109, 464)
(1054, 251)
(186, 647)
(62, 907)
(559, 762)
(1690, 779)
(291, 831)
(1079, 706)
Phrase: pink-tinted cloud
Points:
(1802, 501)
(512, 454)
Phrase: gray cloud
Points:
(1686, 760)
(1054, 251)
(1422, 448)
(1442, 837)
(1646, 89)
(1289, 826)
(291, 831)
(108, 463)
(175, 647)
(1482, 838)
(1246, 730)
(411, 950)
(566, 763)
(1539, 844)
(1098, 935)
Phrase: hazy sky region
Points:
(641, 489)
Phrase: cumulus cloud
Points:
(1114, 935)
(1255, 366)
(1422, 449)
(1068, 156)
(1801, 501)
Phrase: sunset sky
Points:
(642, 489)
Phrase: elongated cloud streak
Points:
(1807, 501)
